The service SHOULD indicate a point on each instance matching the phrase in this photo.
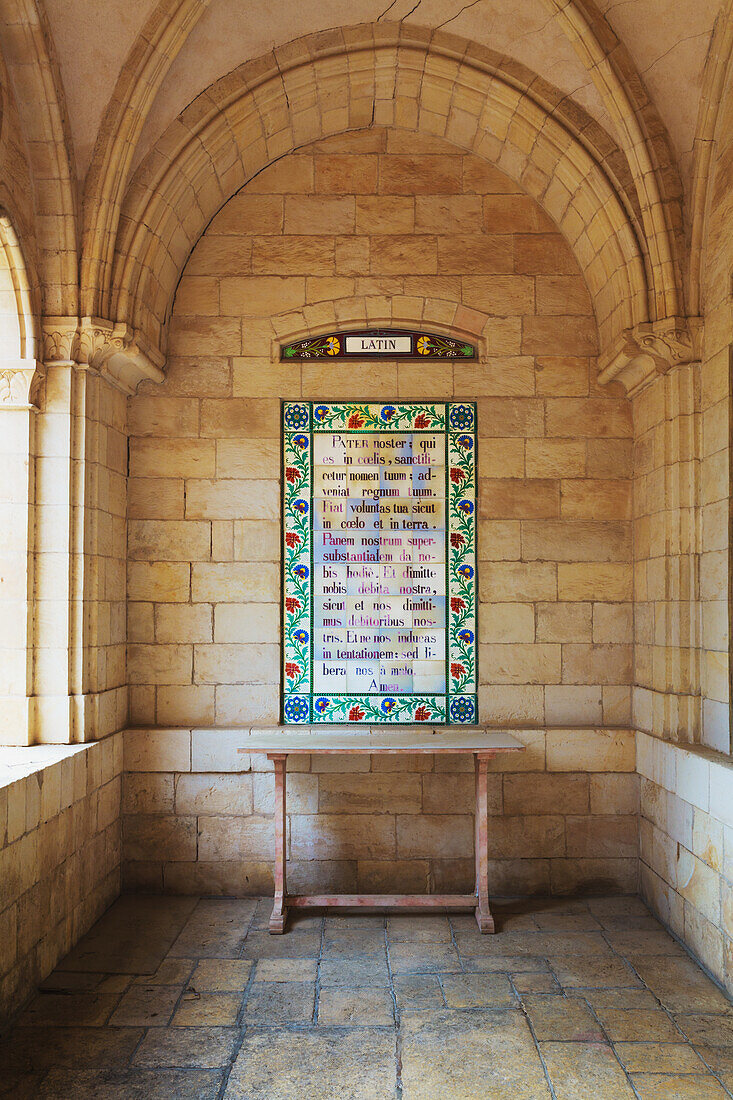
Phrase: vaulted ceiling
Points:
(134, 120)
(667, 40)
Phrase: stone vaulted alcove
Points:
(537, 193)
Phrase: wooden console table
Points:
(483, 745)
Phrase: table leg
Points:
(279, 909)
(484, 918)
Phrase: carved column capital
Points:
(112, 349)
(20, 380)
(649, 349)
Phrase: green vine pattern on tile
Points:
(375, 708)
(297, 586)
(462, 562)
(372, 417)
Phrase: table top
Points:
(380, 740)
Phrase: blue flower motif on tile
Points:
(296, 708)
(322, 704)
(387, 413)
(301, 441)
(465, 441)
(296, 416)
(460, 417)
(462, 709)
(320, 412)
(388, 705)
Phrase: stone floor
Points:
(185, 998)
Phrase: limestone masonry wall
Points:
(198, 817)
(686, 847)
(391, 229)
(59, 856)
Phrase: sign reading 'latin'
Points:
(378, 345)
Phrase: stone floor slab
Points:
(280, 1002)
(133, 936)
(355, 972)
(680, 984)
(275, 1064)
(585, 1071)
(131, 1084)
(408, 928)
(591, 973)
(705, 1029)
(286, 970)
(175, 1047)
(651, 1086)
(208, 1010)
(362, 1007)
(423, 958)
(261, 945)
(420, 991)
(467, 1055)
(221, 975)
(630, 1025)
(556, 1018)
(478, 991)
(658, 1057)
(146, 1005)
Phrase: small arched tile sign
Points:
(379, 344)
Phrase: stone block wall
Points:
(686, 847)
(378, 227)
(198, 817)
(59, 856)
(715, 413)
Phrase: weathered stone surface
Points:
(497, 1056)
(360, 1064)
(578, 1070)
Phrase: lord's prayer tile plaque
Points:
(379, 563)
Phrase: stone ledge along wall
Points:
(377, 226)
(60, 857)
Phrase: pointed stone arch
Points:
(325, 85)
(19, 376)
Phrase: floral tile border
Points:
(457, 421)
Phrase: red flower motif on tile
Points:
(356, 714)
(422, 420)
(457, 670)
(356, 421)
(456, 475)
(456, 540)
(291, 539)
(457, 605)
(422, 714)
(292, 475)
(291, 604)
(292, 670)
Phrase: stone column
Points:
(18, 384)
(79, 682)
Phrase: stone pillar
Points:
(79, 682)
(18, 382)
